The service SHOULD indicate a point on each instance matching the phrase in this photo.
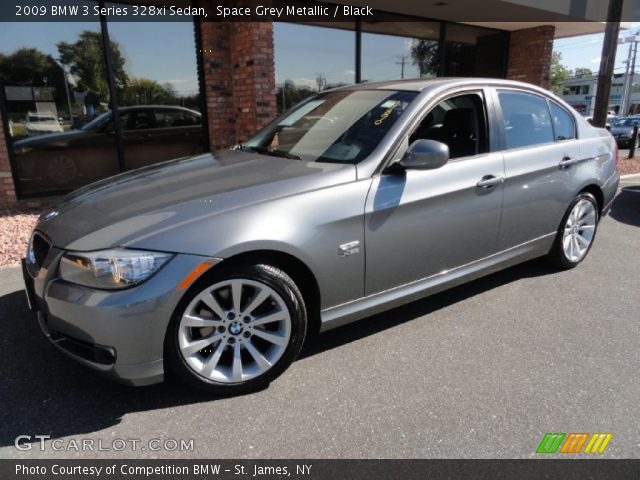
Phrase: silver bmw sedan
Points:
(216, 267)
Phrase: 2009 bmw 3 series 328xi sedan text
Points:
(216, 267)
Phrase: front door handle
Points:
(566, 162)
(489, 181)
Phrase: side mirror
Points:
(425, 155)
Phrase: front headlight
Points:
(112, 269)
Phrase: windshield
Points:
(625, 122)
(339, 127)
(97, 122)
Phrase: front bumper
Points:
(117, 332)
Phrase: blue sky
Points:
(585, 51)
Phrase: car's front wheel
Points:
(576, 233)
(237, 329)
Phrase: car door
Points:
(178, 131)
(138, 125)
(419, 223)
(540, 149)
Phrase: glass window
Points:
(158, 90)
(55, 82)
(459, 122)
(394, 50)
(339, 127)
(563, 124)
(526, 118)
(474, 51)
(310, 59)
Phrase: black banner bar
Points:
(320, 469)
(300, 11)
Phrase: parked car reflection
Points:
(41, 123)
(67, 160)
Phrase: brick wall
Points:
(7, 189)
(530, 55)
(239, 79)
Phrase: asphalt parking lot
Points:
(481, 371)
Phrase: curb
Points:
(630, 176)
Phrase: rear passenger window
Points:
(563, 125)
(527, 119)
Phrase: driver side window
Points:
(459, 122)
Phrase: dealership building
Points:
(191, 86)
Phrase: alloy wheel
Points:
(579, 230)
(234, 330)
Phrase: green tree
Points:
(29, 67)
(289, 94)
(582, 72)
(85, 60)
(424, 54)
(144, 91)
(558, 73)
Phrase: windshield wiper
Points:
(274, 152)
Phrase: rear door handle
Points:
(489, 181)
(566, 162)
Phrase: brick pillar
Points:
(7, 189)
(218, 80)
(239, 76)
(530, 55)
(254, 77)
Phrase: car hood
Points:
(49, 139)
(120, 210)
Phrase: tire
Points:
(62, 170)
(263, 350)
(579, 224)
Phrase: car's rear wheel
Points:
(576, 233)
(237, 330)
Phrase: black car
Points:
(65, 161)
(622, 131)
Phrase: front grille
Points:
(40, 246)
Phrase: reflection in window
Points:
(54, 80)
(338, 127)
(310, 59)
(396, 50)
(474, 52)
(159, 98)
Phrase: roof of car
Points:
(420, 84)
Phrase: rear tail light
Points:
(617, 154)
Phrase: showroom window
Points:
(56, 95)
(310, 59)
(313, 58)
(393, 50)
(474, 51)
(159, 102)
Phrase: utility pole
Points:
(607, 61)
(401, 63)
(321, 81)
(629, 72)
(632, 74)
